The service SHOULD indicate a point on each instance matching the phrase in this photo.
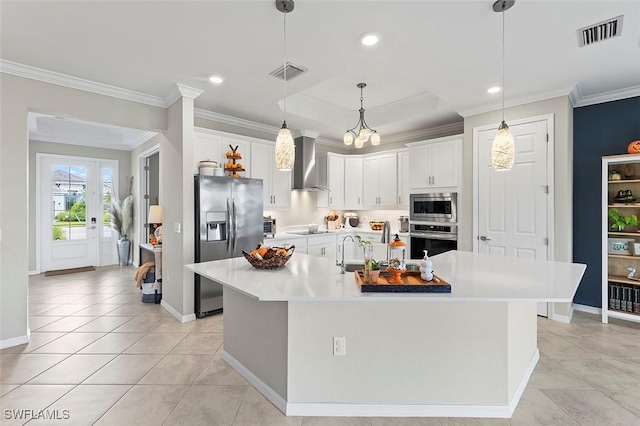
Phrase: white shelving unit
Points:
(620, 295)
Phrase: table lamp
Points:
(155, 224)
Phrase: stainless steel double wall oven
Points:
(433, 223)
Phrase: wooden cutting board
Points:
(411, 283)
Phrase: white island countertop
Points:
(473, 277)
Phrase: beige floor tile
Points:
(5, 389)
(96, 309)
(210, 324)
(176, 369)
(66, 324)
(86, 404)
(404, 421)
(257, 410)
(36, 322)
(449, 421)
(123, 299)
(130, 310)
(199, 343)
(112, 343)
(157, 312)
(599, 374)
(27, 366)
(535, 408)
(29, 397)
(92, 299)
(144, 405)
(551, 346)
(628, 398)
(630, 366)
(208, 406)
(7, 357)
(69, 343)
(591, 408)
(138, 325)
(124, 369)
(549, 374)
(609, 347)
(336, 421)
(36, 308)
(218, 372)
(64, 310)
(72, 370)
(171, 325)
(36, 340)
(103, 325)
(64, 298)
(156, 343)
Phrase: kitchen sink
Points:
(351, 267)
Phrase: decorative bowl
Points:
(274, 261)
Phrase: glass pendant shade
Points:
(359, 143)
(285, 149)
(503, 149)
(348, 138)
(375, 138)
(364, 135)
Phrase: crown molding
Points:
(306, 133)
(39, 74)
(235, 121)
(92, 143)
(516, 101)
(181, 91)
(579, 100)
(424, 134)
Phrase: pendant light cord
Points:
(284, 64)
(503, 89)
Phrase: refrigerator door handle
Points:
(228, 218)
(235, 224)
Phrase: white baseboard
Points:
(34, 272)
(561, 318)
(260, 386)
(386, 410)
(15, 341)
(588, 309)
(177, 315)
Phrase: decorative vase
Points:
(368, 263)
(124, 247)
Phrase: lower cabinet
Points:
(300, 243)
(322, 246)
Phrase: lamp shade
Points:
(285, 149)
(503, 150)
(155, 214)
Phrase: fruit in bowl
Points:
(376, 225)
(264, 257)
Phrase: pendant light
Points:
(363, 132)
(285, 149)
(503, 149)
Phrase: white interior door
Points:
(73, 229)
(512, 205)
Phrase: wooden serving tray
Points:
(411, 283)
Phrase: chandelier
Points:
(361, 133)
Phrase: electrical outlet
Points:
(339, 346)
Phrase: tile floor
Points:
(98, 355)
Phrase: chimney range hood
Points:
(305, 175)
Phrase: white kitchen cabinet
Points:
(280, 241)
(403, 180)
(322, 246)
(380, 180)
(244, 148)
(331, 176)
(353, 182)
(276, 184)
(434, 163)
(206, 146)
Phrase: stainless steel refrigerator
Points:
(228, 220)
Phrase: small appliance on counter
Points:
(268, 227)
(404, 223)
(351, 220)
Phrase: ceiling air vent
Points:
(600, 31)
(293, 71)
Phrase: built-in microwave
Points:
(433, 207)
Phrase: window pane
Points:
(107, 193)
(69, 202)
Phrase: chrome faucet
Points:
(341, 264)
(386, 236)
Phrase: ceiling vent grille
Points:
(600, 31)
(293, 71)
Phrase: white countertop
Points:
(473, 277)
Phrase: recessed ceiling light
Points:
(494, 89)
(216, 79)
(369, 39)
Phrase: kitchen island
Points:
(468, 353)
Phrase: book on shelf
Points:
(624, 298)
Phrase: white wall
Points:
(18, 96)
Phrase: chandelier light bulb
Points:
(359, 143)
(375, 138)
(363, 134)
(348, 138)
(503, 149)
(285, 149)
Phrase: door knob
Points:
(92, 227)
(484, 238)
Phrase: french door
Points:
(73, 227)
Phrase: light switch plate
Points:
(177, 227)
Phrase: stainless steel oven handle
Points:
(434, 236)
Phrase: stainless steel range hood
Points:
(305, 175)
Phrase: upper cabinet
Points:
(206, 146)
(435, 163)
(403, 180)
(276, 184)
(331, 175)
(244, 148)
(380, 180)
(353, 182)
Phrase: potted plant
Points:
(121, 220)
(619, 221)
(371, 267)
